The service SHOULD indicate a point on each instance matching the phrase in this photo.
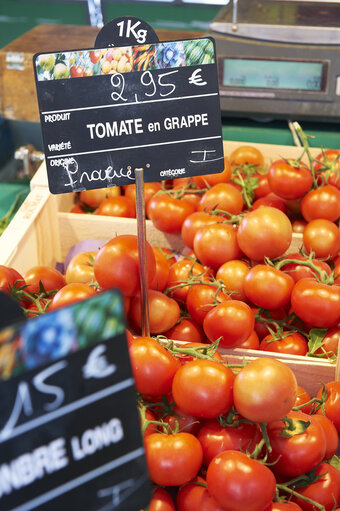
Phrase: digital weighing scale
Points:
(279, 59)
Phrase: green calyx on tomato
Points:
(320, 275)
(293, 428)
(248, 180)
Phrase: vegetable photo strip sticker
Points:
(86, 63)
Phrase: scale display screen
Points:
(274, 74)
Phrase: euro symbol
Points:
(96, 365)
(196, 78)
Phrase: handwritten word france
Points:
(107, 174)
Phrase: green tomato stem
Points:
(285, 488)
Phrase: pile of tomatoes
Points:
(237, 226)
(216, 441)
(215, 435)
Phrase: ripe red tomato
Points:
(184, 421)
(168, 213)
(162, 270)
(332, 405)
(214, 179)
(302, 398)
(216, 244)
(268, 287)
(180, 272)
(288, 181)
(261, 328)
(326, 159)
(71, 293)
(238, 482)
(299, 225)
(323, 202)
(330, 343)
(315, 303)
(215, 438)
(153, 366)
(149, 191)
(251, 343)
(93, 198)
(322, 237)
(173, 460)
(233, 273)
(193, 223)
(51, 279)
(331, 434)
(161, 501)
(190, 196)
(324, 491)
(223, 196)
(203, 388)
(264, 232)
(337, 271)
(231, 321)
(246, 155)
(300, 271)
(186, 329)
(80, 268)
(151, 428)
(263, 187)
(180, 182)
(119, 206)
(201, 298)
(294, 455)
(293, 344)
(270, 201)
(194, 496)
(164, 311)
(283, 506)
(8, 278)
(116, 264)
(265, 390)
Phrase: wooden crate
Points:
(18, 97)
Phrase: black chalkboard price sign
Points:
(69, 428)
(106, 111)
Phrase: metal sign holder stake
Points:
(141, 235)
